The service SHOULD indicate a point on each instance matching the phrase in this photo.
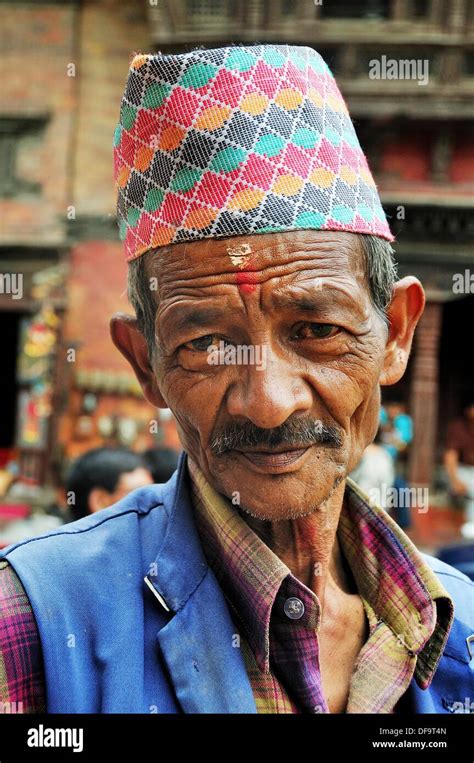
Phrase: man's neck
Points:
(309, 545)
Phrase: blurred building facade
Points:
(65, 65)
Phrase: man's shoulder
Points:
(458, 585)
(137, 505)
(446, 570)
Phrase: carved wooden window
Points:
(17, 135)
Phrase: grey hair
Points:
(381, 271)
(380, 266)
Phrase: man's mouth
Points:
(275, 460)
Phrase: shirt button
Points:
(293, 608)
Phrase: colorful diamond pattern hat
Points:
(235, 141)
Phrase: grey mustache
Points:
(294, 434)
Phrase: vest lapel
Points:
(198, 643)
(207, 670)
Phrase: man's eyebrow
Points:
(196, 317)
(313, 301)
(305, 303)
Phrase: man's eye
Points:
(316, 331)
(202, 343)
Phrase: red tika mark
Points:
(246, 280)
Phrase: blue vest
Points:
(114, 642)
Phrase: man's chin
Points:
(279, 491)
(269, 513)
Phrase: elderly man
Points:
(259, 578)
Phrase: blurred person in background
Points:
(397, 427)
(459, 462)
(103, 476)
(396, 435)
(161, 462)
(375, 472)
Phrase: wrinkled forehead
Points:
(264, 255)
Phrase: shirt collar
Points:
(392, 577)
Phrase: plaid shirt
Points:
(409, 612)
(21, 661)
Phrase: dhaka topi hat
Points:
(235, 141)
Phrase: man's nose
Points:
(270, 393)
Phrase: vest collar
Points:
(198, 643)
(180, 564)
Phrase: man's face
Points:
(276, 436)
(310, 309)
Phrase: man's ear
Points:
(131, 343)
(403, 313)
